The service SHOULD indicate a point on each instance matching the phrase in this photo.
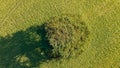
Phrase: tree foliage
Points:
(66, 35)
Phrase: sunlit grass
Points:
(101, 16)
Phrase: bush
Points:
(66, 35)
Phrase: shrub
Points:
(66, 35)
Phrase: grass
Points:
(18, 16)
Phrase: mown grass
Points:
(101, 17)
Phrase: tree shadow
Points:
(24, 49)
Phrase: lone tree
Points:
(66, 34)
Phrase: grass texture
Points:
(19, 41)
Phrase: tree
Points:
(66, 35)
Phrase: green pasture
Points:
(19, 41)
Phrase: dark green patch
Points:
(24, 49)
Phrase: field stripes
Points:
(10, 11)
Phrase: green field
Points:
(19, 20)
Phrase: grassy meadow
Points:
(19, 41)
